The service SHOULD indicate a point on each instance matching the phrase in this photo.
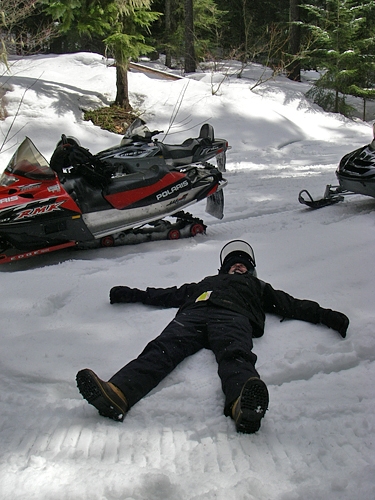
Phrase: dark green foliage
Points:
(209, 22)
(343, 49)
(329, 100)
(260, 15)
(121, 24)
(336, 37)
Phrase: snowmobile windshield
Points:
(138, 127)
(238, 247)
(28, 162)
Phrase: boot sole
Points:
(93, 390)
(253, 406)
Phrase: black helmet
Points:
(237, 251)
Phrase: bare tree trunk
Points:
(337, 99)
(364, 109)
(294, 68)
(168, 29)
(190, 64)
(122, 96)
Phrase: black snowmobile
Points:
(138, 146)
(112, 198)
(356, 175)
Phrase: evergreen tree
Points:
(363, 83)
(339, 50)
(121, 24)
(128, 43)
(208, 21)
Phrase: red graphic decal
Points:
(32, 212)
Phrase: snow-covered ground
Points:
(317, 440)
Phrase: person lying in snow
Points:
(222, 313)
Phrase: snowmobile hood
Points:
(360, 162)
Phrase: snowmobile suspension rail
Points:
(185, 226)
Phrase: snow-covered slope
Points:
(317, 440)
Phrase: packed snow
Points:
(317, 439)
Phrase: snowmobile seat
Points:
(88, 197)
(207, 132)
(180, 154)
(136, 180)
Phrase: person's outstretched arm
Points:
(286, 306)
(163, 297)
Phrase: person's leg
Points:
(250, 406)
(246, 396)
(184, 336)
(106, 397)
(230, 339)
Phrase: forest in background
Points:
(334, 37)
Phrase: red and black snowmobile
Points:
(88, 201)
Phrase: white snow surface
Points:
(317, 439)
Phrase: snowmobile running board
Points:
(185, 226)
(331, 196)
(5, 259)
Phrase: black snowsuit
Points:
(221, 313)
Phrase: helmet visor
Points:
(237, 246)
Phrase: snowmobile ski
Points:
(329, 198)
(6, 259)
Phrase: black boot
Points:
(105, 396)
(250, 407)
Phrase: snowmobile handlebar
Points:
(147, 137)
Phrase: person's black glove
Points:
(335, 320)
(125, 294)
